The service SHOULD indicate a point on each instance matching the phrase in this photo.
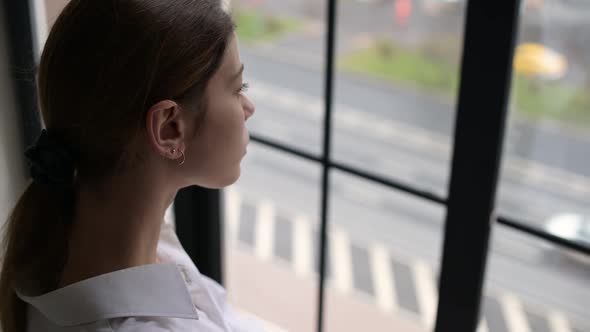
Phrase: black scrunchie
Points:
(52, 163)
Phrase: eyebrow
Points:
(235, 76)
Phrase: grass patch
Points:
(401, 65)
(430, 72)
(544, 99)
(254, 26)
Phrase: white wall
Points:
(12, 172)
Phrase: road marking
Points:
(558, 322)
(483, 326)
(382, 278)
(288, 100)
(347, 119)
(515, 316)
(264, 230)
(419, 285)
(232, 210)
(426, 292)
(314, 108)
(260, 91)
(302, 241)
(339, 246)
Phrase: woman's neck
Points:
(115, 226)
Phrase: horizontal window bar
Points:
(518, 225)
(353, 171)
(408, 189)
(535, 231)
(285, 148)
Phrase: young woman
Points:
(139, 99)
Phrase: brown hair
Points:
(104, 64)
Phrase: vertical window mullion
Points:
(326, 156)
(19, 27)
(486, 71)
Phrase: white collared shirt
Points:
(171, 296)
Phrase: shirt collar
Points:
(156, 290)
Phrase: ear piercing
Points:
(182, 156)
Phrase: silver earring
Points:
(183, 157)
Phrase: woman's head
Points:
(212, 140)
(125, 82)
(127, 85)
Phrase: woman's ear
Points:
(165, 128)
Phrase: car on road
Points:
(572, 227)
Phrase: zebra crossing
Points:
(395, 285)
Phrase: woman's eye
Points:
(244, 87)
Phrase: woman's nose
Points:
(249, 108)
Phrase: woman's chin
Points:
(225, 181)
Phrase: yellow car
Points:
(537, 60)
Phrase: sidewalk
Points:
(278, 295)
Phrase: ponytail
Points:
(35, 239)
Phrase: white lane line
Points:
(483, 326)
(426, 291)
(515, 317)
(558, 322)
(288, 100)
(302, 243)
(382, 278)
(265, 230)
(348, 117)
(261, 90)
(341, 257)
(314, 108)
(233, 202)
